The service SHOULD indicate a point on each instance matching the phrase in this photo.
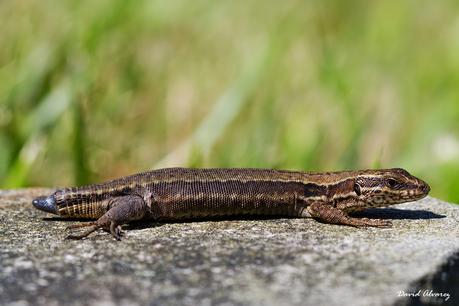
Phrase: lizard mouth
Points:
(47, 204)
(425, 188)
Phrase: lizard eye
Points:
(391, 183)
(357, 189)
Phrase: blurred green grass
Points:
(92, 90)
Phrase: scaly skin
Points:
(190, 194)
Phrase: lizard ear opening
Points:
(357, 189)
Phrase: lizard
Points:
(173, 194)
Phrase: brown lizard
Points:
(187, 194)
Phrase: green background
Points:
(92, 90)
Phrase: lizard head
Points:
(390, 186)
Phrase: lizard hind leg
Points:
(121, 210)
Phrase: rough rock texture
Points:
(237, 262)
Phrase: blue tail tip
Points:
(47, 204)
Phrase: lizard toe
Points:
(116, 231)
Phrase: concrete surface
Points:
(236, 262)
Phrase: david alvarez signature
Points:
(426, 293)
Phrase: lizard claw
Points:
(116, 231)
(376, 222)
(74, 237)
(93, 228)
(78, 225)
(386, 223)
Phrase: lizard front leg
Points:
(121, 210)
(327, 213)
